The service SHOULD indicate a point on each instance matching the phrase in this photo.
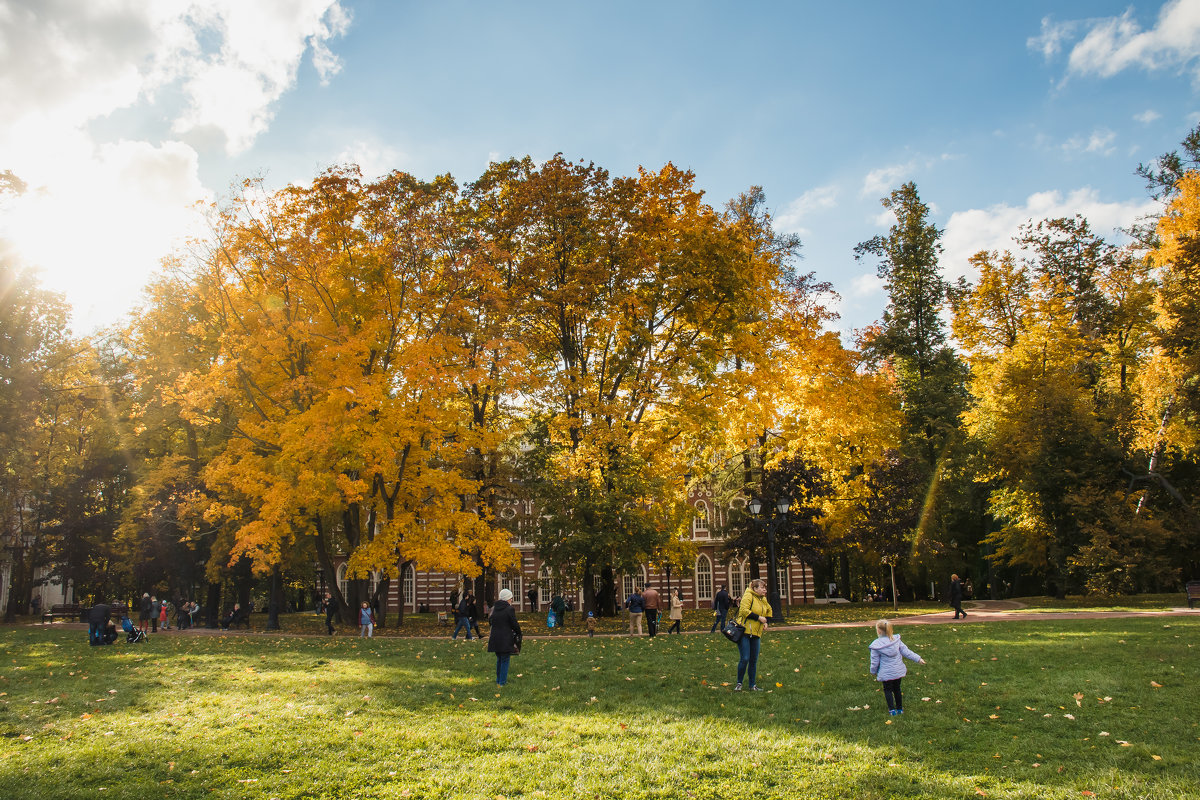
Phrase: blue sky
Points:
(123, 114)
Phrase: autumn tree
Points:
(337, 372)
(632, 291)
(911, 341)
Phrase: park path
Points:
(981, 611)
(978, 612)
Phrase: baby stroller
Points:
(133, 634)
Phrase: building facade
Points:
(420, 591)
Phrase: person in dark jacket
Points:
(330, 609)
(532, 594)
(97, 620)
(462, 619)
(155, 610)
(473, 614)
(721, 604)
(144, 611)
(505, 638)
(956, 595)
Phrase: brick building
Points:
(420, 590)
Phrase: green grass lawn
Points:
(1055, 709)
(1138, 602)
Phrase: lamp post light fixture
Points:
(782, 506)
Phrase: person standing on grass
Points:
(591, 624)
(155, 610)
(144, 612)
(505, 637)
(366, 621)
(330, 610)
(473, 615)
(887, 664)
(97, 620)
(753, 613)
(650, 602)
(721, 604)
(164, 615)
(956, 595)
(636, 607)
(532, 595)
(676, 612)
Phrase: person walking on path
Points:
(144, 612)
(956, 596)
(650, 602)
(676, 613)
(366, 621)
(721, 604)
(330, 610)
(505, 637)
(887, 664)
(753, 613)
(461, 620)
(636, 607)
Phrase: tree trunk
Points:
(326, 563)
(212, 606)
(275, 600)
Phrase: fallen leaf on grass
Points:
(1156, 684)
(1157, 758)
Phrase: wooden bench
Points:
(1193, 593)
(70, 611)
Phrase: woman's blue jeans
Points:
(748, 647)
(502, 668)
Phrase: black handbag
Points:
(733, 631)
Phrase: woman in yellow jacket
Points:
(753, 612)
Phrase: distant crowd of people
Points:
(746, 629)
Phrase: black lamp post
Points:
(781, 507)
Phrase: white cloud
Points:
(100, 213)
(880, 182)
(866, 285)
(1050, 42)
(1147, 116)
(1099, 141)
(374, 158)
(968, 232)
(814, 200)
(1114, 44)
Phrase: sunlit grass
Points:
(286, 716)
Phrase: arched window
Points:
(704, 579)
(544, 587)
(700, 521)
(341, 579)
(409, 584)
(739, 577)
